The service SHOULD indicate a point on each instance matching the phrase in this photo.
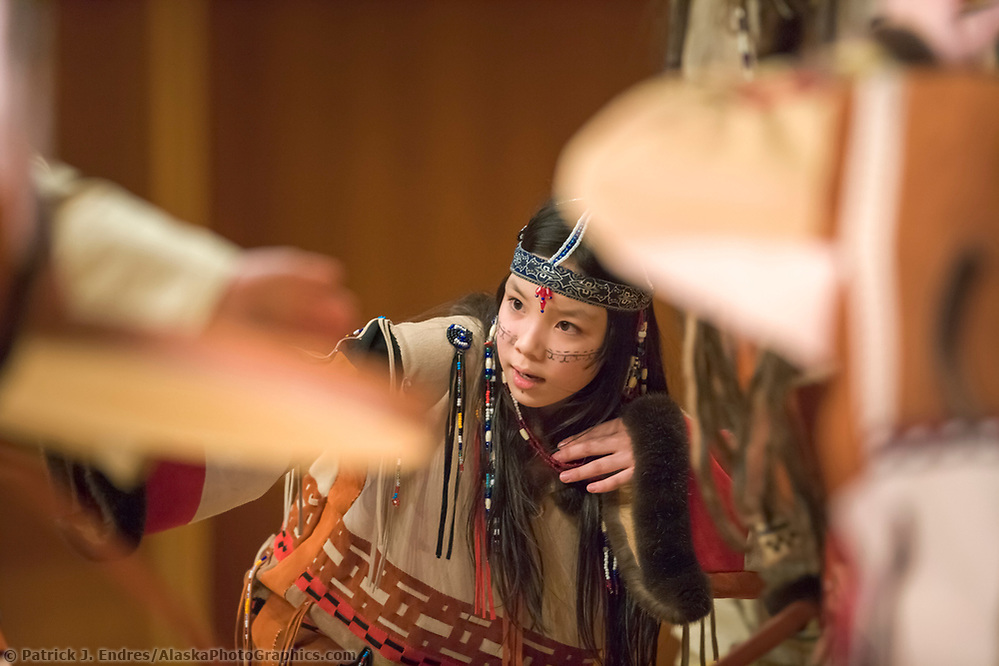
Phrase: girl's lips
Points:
(524, 381)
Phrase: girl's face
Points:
(546, 357)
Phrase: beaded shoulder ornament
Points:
(454, 434)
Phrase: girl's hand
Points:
(610, 444)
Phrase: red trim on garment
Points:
(283, 545)
(376, 637)
(711, 549)
(173, 494)
(712, 552)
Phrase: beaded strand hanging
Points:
(638, 372)
(484, 605)
(461, 339)
(538, 447)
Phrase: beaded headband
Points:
(546, 274)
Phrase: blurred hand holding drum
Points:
(230, 394)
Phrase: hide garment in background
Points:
(920, 384)
(857, 235)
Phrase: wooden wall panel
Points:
(410, 139)
(102, 90)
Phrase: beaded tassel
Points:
(609, 562)
(466, 339)
(461, 416)
(490, 412)
(484, 604)
(643, 330)
(398, 482)
(461, 338)
(638, 374)
(248, 603)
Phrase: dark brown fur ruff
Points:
(663, 572)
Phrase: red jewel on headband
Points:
(545, 294)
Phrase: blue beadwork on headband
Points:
(594, 291)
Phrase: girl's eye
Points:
(515, 303)
(566, 327)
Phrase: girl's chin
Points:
(532, 400)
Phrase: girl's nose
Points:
(529, 342)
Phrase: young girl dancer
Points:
(484, 556)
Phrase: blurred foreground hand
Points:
(291, 294)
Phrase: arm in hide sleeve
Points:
(122, 262)
(178, 493)
(648, 522)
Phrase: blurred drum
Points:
(851, 225)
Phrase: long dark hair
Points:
(522, 479)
